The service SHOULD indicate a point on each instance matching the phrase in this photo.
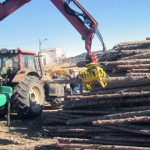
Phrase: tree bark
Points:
(133, 45)
(126, 120)
(115, 95)
(78, 129)
(128, 128)
(138, 56)
(137, 74)
(112, 116)
(128, 61)
(136, 66)
(134, 52)
(101, 147)
(94, 102)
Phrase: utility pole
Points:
(40, 43)
(40, 56)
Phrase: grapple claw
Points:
(93, 73)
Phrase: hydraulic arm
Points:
(9, 6)
(86, 25)
(82, 21)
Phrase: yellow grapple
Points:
(93, 73)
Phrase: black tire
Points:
(28, 98)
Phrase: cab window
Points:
(28, 61)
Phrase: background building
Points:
(54, 56)
(50, 56)
(81, 57)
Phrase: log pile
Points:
(114, 118)
(128, 58)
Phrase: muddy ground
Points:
(25, 134)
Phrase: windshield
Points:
(9, 63)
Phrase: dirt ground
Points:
(25, 134)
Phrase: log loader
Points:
(29, 94)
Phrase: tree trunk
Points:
(113, 116)
(126, 120)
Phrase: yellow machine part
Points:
(93, 73)
(59, 72)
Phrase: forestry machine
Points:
(15, 65)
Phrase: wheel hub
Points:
(35, 97)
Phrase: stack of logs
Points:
(114, 118)
(130, 58)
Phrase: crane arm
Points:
(83, 22)
(9, 6)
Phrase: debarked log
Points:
(115, 95)
(91, 102)
(124, 79)
(120, 90)
(138, 74)
(79, 129)
(77, 140)
(137, 46)
(131, 107)
(136, 66)
(125, 139)
(100, 147)
(139, 70)
(103, 140)
(137, 51)
(108, 117)
(134, 43)
(138, 56)
(130, 128)
(88, 112)
(128, 61)
(125, 120)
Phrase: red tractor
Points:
(19, 70)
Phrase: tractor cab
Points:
(16, 61)
(9, 62)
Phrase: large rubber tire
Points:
(28, 98)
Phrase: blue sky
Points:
(119, 20)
